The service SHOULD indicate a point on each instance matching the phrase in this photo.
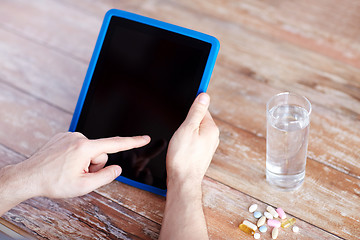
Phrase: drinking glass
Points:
(288, 122)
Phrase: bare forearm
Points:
(184, 217)
(13, 189)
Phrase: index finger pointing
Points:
(117, 144)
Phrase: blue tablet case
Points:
(215, 45)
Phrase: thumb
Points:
(102, 177)
(198, 109)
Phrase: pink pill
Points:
(281, 213)
(273, 223)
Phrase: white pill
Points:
(261, 221)
(272, 211)
(250, 225)
(295, 229)
(253, 208)
(275, 233)
(268, 215)
(257, 235)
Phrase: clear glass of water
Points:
(288, 121)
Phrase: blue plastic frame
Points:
(215, 46)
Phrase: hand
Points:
(193, 145)
(70, 165)
(189, 155)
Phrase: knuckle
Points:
(77, 134)
(81, 144)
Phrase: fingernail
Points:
(118, 171)
(204, 99)
(146, 137)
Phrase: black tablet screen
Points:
(144, 82)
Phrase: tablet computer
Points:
(142, 78)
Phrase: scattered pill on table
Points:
(288, 223)
(275, 218)
(263, 228)
(248, 227)
(257, 235)
(257, 214)
(272, 211)
(295, 229)
(253, 208)
(275, 233)
(268, 215)
(261, 221)
(281, 213)
(273, 223)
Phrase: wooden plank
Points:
(8, 229)
(26, 122)
(225, 208)
(53, 24)
(327, 197)
(88, 217)
(42, 72)
(145, 203)
(322, 26)
(67, 26)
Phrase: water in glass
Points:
(287, 140)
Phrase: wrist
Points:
(12, 192)
(188, 187)
(17, 183)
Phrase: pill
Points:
(253, 208)
(250, 225)
(263, 228)
(288, 222)
(272, 211)
(268, 215)
(261, 221)
(257, 214)
(295, 229)
(257, 235)
(275, 233)
(281, 213)
(273, 223)
(246, 229)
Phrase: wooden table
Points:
(308, 47)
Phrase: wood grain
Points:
(226, 208)
(26, 122)
(310, 48)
